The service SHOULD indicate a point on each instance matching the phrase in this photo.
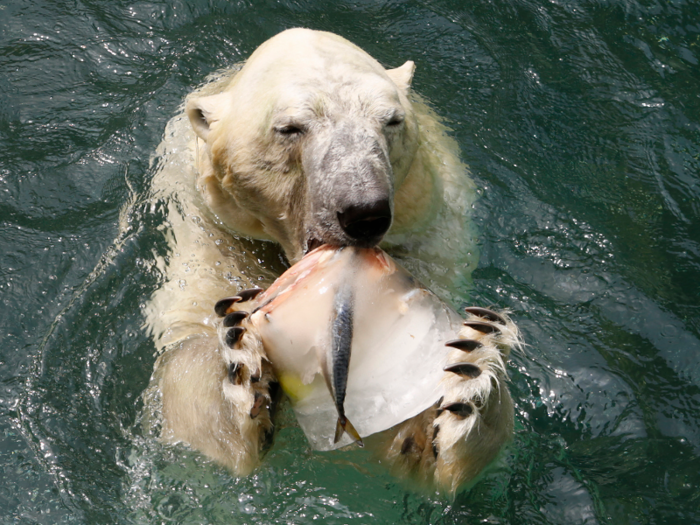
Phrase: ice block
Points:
(395, 342)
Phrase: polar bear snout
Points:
(366, 222)
(349, 183)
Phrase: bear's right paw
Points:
(250, 385)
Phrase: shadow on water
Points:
(581, 123)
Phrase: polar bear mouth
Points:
(312, 244)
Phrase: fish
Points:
(337, 362)
(356, 342)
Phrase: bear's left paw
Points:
(452, 442)
(250, 385)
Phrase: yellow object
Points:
(294, 387)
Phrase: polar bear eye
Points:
(395, 121)
(289, 130)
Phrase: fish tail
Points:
(344, 425)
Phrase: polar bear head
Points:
(308, 143)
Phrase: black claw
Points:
(247, 295)
(275, 392)
(407, 445)
(460, 410)
(435, 433)
(467, 345)
(234, 318)
(234, 375)
(486, 314)
(437, 406)
(258, 402)
(464, 369)
(268, 439)
(274, 388)
(222, 306)
(234, 335)
(484, 328)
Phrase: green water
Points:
(581, 123)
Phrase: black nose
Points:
(367, 221)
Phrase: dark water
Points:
(581, 122)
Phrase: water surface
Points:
(581, 124)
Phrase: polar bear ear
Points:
(204, 112)
(402, 76)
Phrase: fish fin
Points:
(341, 427)
(338, 431)
(354, 434)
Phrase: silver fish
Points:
(337, 362)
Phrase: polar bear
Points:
(312, 141)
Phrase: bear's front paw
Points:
(452, 442)
(475, 417)
(250, 385)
